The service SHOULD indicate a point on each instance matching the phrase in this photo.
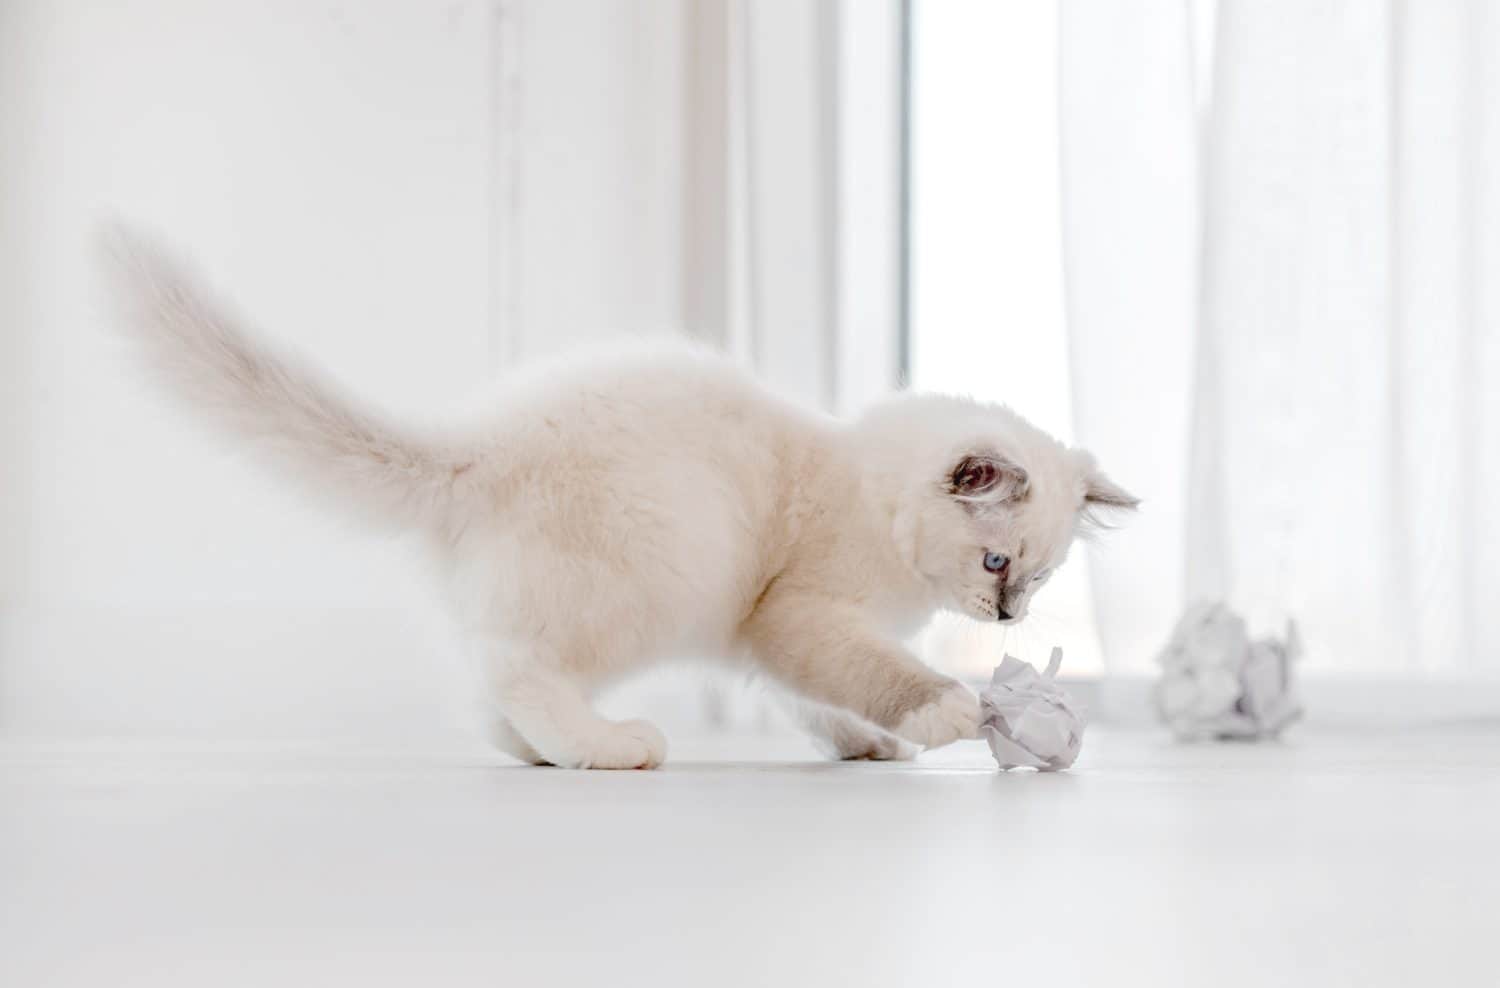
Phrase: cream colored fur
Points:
(615, 510)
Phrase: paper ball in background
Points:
(1218, 684)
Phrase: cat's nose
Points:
(1003, 614)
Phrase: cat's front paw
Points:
(954, 714)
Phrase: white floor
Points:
(1326, 860)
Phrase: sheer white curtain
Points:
(1129, 206)
(1283, 327)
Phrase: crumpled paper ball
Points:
(1217, 683)
(1028, 719)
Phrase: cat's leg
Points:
(826, 652)
(551, 714)
(844, 736)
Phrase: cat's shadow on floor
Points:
(850, 769)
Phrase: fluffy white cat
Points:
(642, 504)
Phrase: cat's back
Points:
(655, 398)
(667, 468)
(658, 429)
(641, 371)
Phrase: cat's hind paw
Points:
(627, 744)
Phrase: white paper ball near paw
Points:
(1028, 719)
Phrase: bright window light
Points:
(986, 269)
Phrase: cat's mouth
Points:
(992, 609)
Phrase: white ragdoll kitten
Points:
(639, 505)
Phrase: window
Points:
(986, 268)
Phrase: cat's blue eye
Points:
(996, 563)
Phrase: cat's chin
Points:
(978, 609)
(986, 614)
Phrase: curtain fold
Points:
(1343, 356)
(1129, 212)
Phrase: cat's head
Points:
(986, 505)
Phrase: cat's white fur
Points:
(611, 511)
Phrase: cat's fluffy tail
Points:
(286, 410)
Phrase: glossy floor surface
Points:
(1325, 860)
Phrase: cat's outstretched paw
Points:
(953, 715)
(627, 744)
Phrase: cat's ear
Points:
(1101, 496)
(1101, 492)
(987, 477)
